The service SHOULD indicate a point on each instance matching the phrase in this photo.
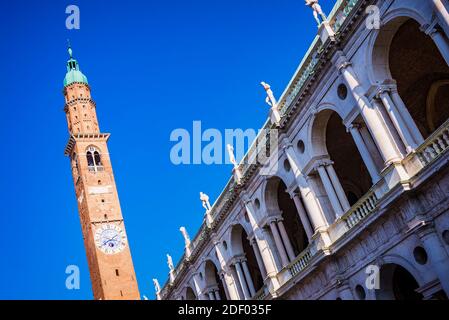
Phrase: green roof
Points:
(74, 73)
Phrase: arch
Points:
(248, 270)
(380, 41)
(280, 203)
(190, 294)
(397, 283)
(212, 279)
(331, 140)
(317, 129)
(423, 88)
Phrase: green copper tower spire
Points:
(73, 71)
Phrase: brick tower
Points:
(108, 254)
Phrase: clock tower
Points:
(105, 240)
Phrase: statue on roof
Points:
(231, 155)
(205, 200)
(157, 287)
(317, 11)
(170, 263)
(185, 235)
(270, 100)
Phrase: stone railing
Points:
(435, 145)
(301, 262)
(341, 11)
(361, 209)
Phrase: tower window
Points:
(94, 159)
(117, 273)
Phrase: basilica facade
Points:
(353, 201)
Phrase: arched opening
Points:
(94, 159)
(279, 202)
(213, 281)
(396, 283)
(347, 162)
(422, 76)
(246, 265)
(190, 294)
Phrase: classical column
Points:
(279, 245)
(396, 118)
(211, 295)
(303, 215)
(439, 39)
(286, 240)
(262, 243)
(237, 285)
(437, 255)
(330, 190)
(248, 278)
(364, 152)
(225, 286)
(242, 281)
(310, 201)
(372, 119)
(217, 295)
(258, 257)
(441, 10)
(338, 188)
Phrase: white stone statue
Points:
(185, 235)
(145, 297)
(317, 11)
(270, 100)
(231, 155)
(205, 200)
(157, 287)
(170, 263)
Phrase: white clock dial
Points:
(110, 238)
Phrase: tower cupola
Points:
(74, 74)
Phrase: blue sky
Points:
(153, 66)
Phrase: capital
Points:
(340, 61)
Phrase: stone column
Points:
(237, 285)
(337, 187)
(211, 295)
(364, 152)
(258, 257)
(303, 215)
(406, 116)
(286, 240)
(441, 10)
(225, 286)
(217, 295)
(374, 122)
(439, 39)
(269, 263)
(399, 124)
(437, 255)
(248, 278)
(310, 201)
(279, 245)
(242, 281)
(330, 190)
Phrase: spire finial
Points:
(69, 48)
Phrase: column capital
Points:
(430, 28)
(340, 61)
(382, 90)
(353, 126)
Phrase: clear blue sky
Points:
(153, 66)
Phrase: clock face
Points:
(110, 238)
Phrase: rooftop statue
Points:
(157, 287)
(170, 263)
(205, 200)
(317, 11)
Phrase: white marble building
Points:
(363, 178)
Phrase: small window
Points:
(117, 273)
(99, 182)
